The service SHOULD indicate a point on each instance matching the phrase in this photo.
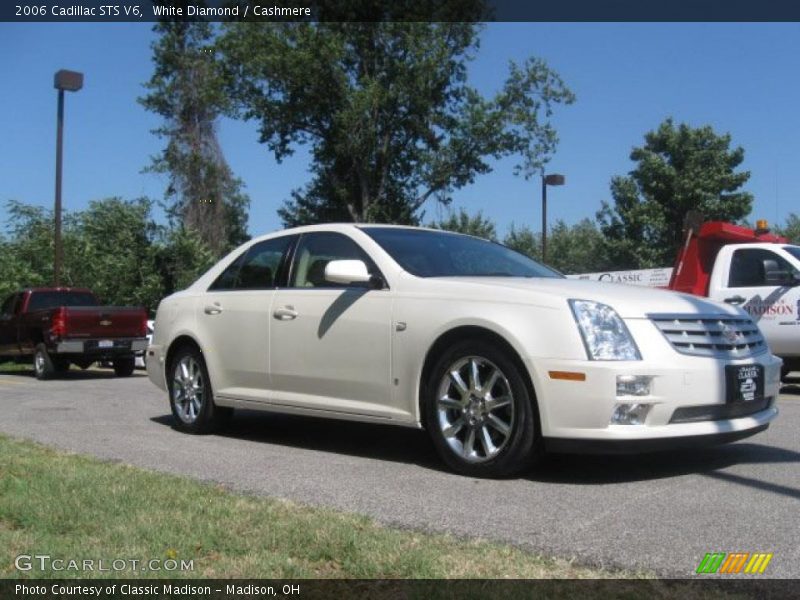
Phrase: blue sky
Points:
(739, 78)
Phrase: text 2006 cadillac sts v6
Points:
(498, 357)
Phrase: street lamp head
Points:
(554, 179)
(70, 81)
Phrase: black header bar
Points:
(401, 10)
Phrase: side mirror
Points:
(774, 275)
(347, 272)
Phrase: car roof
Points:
(339, 227)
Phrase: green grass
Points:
(10, 367)
(70, 506)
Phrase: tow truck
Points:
(750, 268)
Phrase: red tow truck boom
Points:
(695, 261)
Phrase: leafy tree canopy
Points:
(679, 168)
(114, 247)
(463, 222)
(791, 229)
(578, 248)
(187, 90)
(386, 110)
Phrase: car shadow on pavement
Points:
(603, 469)
(364, 440)
(412, 446)
(791, 386)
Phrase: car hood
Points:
(632, 302)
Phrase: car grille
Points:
(718, 336)
(719, 412)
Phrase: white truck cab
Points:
(749, 268)
(763, 279)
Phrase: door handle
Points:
(212, 309)
(735, 300)
(287, 313)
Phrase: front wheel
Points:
(191, 396)
(479, 412)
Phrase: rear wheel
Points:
(479, 412)
(123, 367)
(43, 367)
(191, 396)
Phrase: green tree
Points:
(15, 272)
(578, 248)
(113, 252)
(187, 91)
(791, 229)
(525, 241)
(679, 168)
(463, 222)
(180, 258)
(28, 250)
(386, 110)
(114, 248)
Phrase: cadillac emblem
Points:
(729, 334)
(105, 322)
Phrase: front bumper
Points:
(580, 446)
(687, 404)
(155, 365)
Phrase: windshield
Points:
(45, 300)
(793, 250)
(426, 253)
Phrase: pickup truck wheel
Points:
(191, 396)
(43, 366)
(123, 367)
(479, 412)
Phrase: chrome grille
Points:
(718, 336)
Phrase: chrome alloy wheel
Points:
(475, 407)
(188, 391)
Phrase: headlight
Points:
(604, 333)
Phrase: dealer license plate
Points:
(105, 344)
(744, 383)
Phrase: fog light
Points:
(633, 385)
(630, 414)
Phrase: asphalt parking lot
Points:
(658, 512)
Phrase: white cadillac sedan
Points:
(498, 357)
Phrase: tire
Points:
(123, 367)
(486, 428)
(190, 395)
(43, 367)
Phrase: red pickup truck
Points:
(58, 326)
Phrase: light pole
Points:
(69, 81)
(552, 179)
